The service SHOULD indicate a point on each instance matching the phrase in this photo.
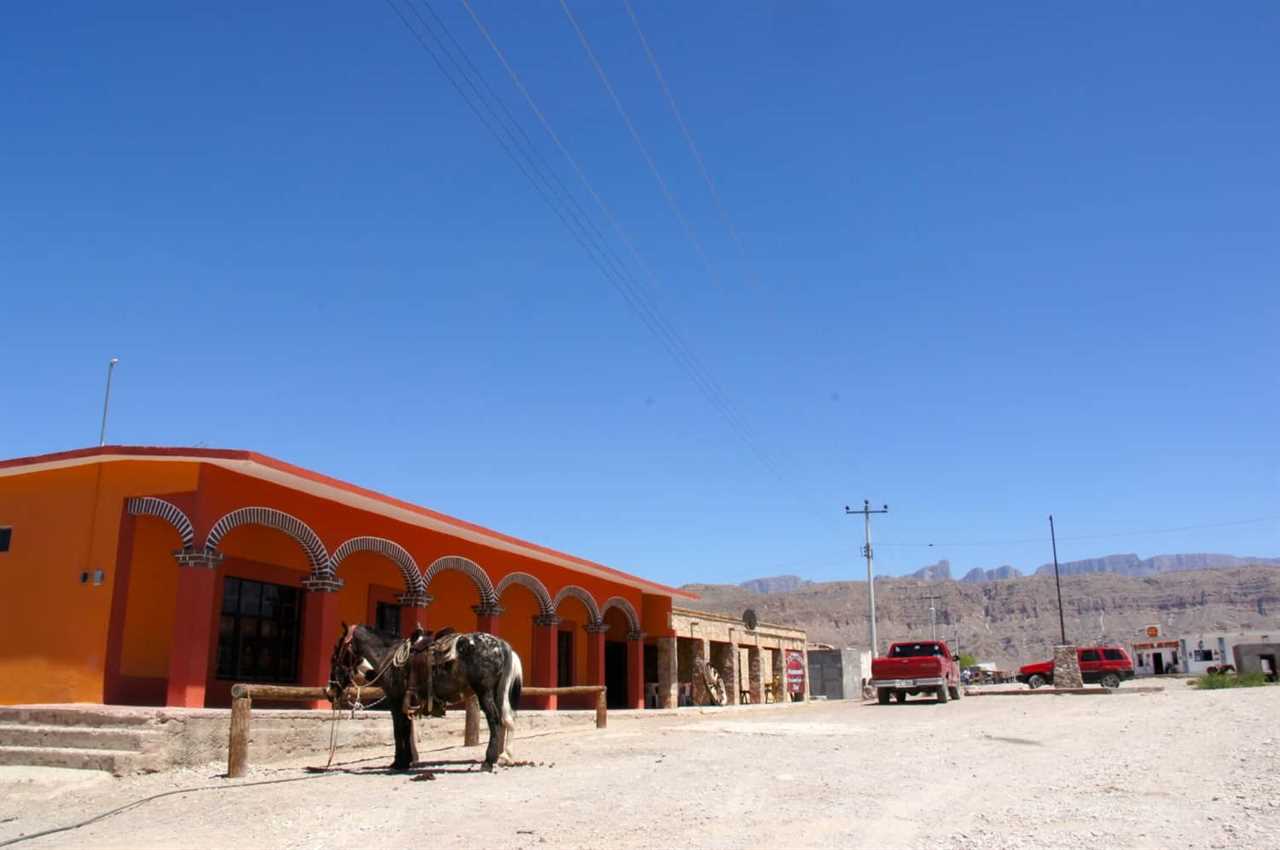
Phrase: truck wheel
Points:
(882, 695)
(956, 692)
(942, 694)
(1036, 681)
(1111, 680)
(900, 696)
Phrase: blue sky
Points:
(998, 261)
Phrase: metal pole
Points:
(1057, 580)
(866, 550)
(106, 402)
(871, 584)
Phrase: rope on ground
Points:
(10, 842)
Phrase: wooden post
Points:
(471, 731)
(238, 745)
(602, 710)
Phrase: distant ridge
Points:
(1002, 573)
(1132, 565)
(774, 584)
(940, 571)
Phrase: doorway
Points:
(1157, 663)
(615, 673)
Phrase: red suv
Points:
(1099, 665)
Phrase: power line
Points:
(688, 137)
(716, 395)
(635, 136)
(519, 148)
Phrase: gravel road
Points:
(1175, 769)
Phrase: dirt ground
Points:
(1175, 769)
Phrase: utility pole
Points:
(933, 615)
(1056, 579)
(106, 401)
(866, 512)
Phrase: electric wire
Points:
(688, 138)
(644, 151)
(516, 144)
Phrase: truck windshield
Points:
(914, 650)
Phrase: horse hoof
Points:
(487, 767)
(399, 767)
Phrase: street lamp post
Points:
(106, 402)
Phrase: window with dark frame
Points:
(1113, 655)
(387, 617)
(1089, 655)
(258, 631)
(6, 535)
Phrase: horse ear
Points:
(344, 628)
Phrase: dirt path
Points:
(1175, 769)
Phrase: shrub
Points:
(1213, 681)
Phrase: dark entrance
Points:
(1157, 662)
(615, 673)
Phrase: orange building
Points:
(160, 576)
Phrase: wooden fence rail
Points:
(242, 696)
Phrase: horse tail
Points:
(512, 683)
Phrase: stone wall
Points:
(1066, 667)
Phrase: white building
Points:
(1157, 654)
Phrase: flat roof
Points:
(295, 477)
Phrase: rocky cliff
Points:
(1015, 620)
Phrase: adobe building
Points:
(758, 662)
(161, 576)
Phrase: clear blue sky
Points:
(1001, 261)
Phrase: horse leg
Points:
(496, 730)
(402, 728)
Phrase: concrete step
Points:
(118, 762)
(126, 738)
(53, 715)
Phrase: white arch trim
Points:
(633, 620)
(575, 592)
(467, 566)
(279, 520)
(393, 551)
(531, 582)
(167, 511)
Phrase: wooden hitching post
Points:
(602, 710)
(471, 731)
(238, 745)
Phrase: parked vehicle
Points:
(1099, 665)
(916, 667)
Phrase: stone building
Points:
(752, 662)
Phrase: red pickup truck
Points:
(916, 667)
(1103, 665)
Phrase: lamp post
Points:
(866, 512)
(106, 401)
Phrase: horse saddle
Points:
(428, 650)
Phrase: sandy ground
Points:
(1175, 769)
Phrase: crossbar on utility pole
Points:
(866, 512)
(1053, 537)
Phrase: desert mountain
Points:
(1015, 620)
(1132, 565)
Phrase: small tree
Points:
(966, 661)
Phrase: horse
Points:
(409, 676)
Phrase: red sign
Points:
(795, 672)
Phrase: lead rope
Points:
(396, 659)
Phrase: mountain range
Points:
(1127, 564)
(1012, 619)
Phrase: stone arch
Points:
(531, 582)
(281, 521)
(167, 511)
(572, 590)
(633, 621)
(397, 554)
(470, 568)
